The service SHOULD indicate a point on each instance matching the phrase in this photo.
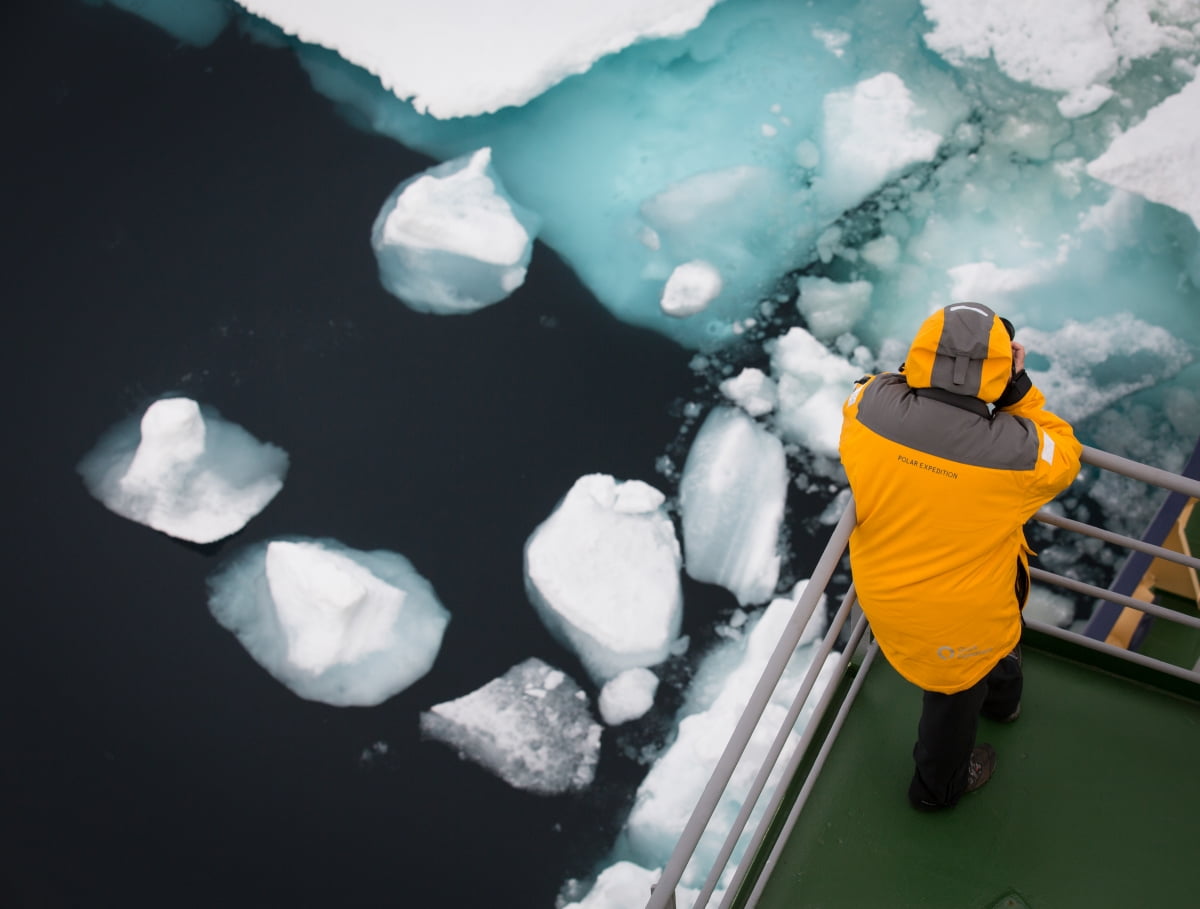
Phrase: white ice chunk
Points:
(732, 495)
(627, 696)
(185, 472)
(333, 624)
(603, 574)
(450, 240)
(870, 136)
(691, 287)
(331, 608)
(813, 382)
(531, 727)
(752, 390)
(832, 308)
(461, 58)
(1027, 38)
(1160, 157)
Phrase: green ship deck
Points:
(1094, 803)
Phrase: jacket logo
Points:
(913, 462)
(962, 653)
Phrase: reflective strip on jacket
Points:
(942, 494)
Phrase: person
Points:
(947, 459)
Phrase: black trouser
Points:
(946, 733)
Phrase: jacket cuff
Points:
(1018, 387)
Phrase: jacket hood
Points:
(964, 348)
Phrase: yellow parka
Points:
(943, 484)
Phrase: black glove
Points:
(1018, 387)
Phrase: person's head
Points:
(964, 348)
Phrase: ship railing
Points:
(857, 648)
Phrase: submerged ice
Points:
(184, 471)
(532, 727)
(333, 624)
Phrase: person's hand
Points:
(1018, 357)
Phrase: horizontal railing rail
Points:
(663, 894)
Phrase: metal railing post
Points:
(776, 749)
(693, 830)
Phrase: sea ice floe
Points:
(451, 240)
(532, 727)
(813, 382)
(603, 574)
(333, 624)
(462, 58)
(184, 471)
(870, 134)
(1027, 38)
(1160, 157)
(752, 390)
(732, 495)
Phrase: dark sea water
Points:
(197, 221)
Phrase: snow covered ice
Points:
(752, 390)
(461, 58)
(856, 162)
(184, 471)
(451, 241)
(603, 573)
(532, 727)
(812, 381)
(333, 624)
(1159, 158)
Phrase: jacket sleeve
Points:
(1058, 449)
